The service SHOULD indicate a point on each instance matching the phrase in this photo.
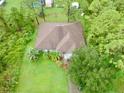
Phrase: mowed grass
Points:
(42, 77)
(55, 15)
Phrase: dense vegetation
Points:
(92, 73)
(16, 29)
(97, 68)
(104, 24)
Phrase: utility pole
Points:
(43, 13)
(68, 10)
(35, 13)
(42, 9)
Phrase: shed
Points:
(49, 3)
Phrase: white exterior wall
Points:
(49, 3)
(75, 5)
(67, 56)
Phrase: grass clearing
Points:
(42, 77)
(55, 15)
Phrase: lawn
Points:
(55, 15)
(42, 77)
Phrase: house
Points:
(61, 37)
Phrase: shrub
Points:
(90, 72)
(54, 56)
(34, 54)
(106, 35)
(16, 30)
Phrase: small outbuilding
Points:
(49, 3)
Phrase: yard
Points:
(42, 77)
(51, 14)
(96, 68)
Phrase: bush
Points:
(53, 56)
(16, 30)
(90, 72)
(106, 35)
(34, 54)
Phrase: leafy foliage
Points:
(119, 5)
(107, 35)
(104, 24)
(53, 56)
(90, 72)
(34, 54)
(15, 32)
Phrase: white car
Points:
(2, 2)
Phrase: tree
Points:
(3, 23)
(104, 26)
(119, 5)
(13, 41)
(107, 35)
(90, 72)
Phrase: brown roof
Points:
(63, 37)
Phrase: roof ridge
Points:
(46, 35)
(62, 41)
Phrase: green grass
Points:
(55, 15)
(42, 77)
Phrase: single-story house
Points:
(61, 37)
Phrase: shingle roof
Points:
(63, 37)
